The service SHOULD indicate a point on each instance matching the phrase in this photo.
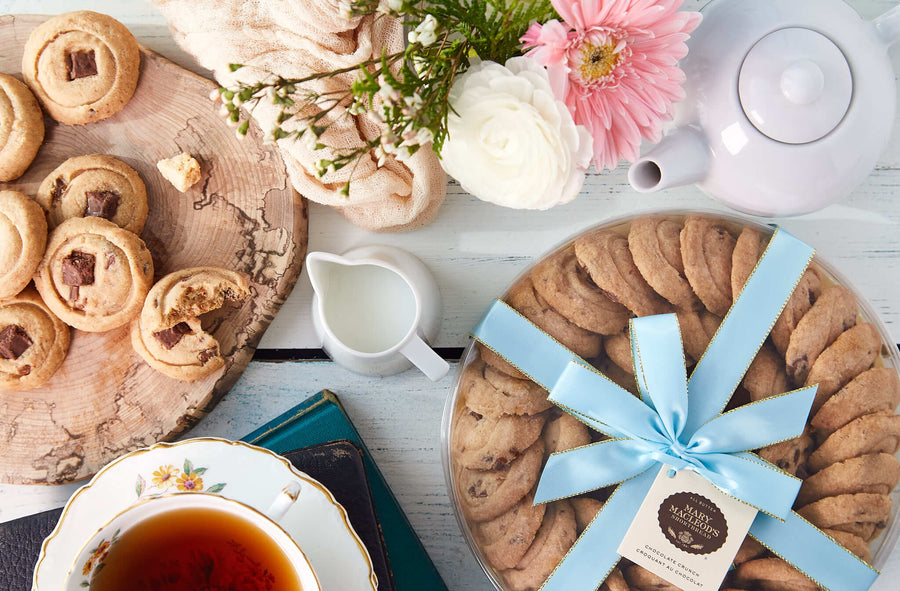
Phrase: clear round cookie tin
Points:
(498, 428)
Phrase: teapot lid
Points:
(795, 85)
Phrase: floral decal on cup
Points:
(96, 561)
(165, 478)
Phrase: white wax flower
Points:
(510, 141)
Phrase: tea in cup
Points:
(190, 541)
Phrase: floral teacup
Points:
(232, 542)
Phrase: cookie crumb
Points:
(183, 171)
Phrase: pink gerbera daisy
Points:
(615, 64)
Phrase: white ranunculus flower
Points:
(510, 141)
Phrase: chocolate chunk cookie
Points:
(23, 237)
(565, 284)
(563, 433)
(95, 186)
(840, 510)
(875, 433)
(21, 128)
(532, 306)
(747, 251)
(877, 389)
(766, 376)
(485, 495)
(492, 393)
(33, 341)
(553, 541)
(851, 354)
(834, 312)
(608, 259)
(82, 66)
(655, 245)
(772, 574)
(506, 539)
(707, 248)
(167, 334)
(808, 290)
(488, 443)
(876, 473)
(94, 275)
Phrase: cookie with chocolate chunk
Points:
(553, 540)
(487, 494)
(707, 248)
(82, 66)
(167, 334)
(95, 186)
(33, 342)
(655, 245)
(23, 236)
(21, 128)
(94, 275)
(505, 539)
(487, 443)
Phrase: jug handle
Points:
(888, 26)
(425, 358)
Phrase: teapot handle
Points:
(888, 26)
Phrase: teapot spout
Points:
(888, 26)
(681, 158)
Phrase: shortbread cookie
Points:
(877, 389)
(834, 312)
(640, 579)
(563, 433)
(586, 510)
(840, 510)
(747, 251)
(94, 275)
(851, 542)
(749, 550)
(33, 341)
(489, 443)
(95, 186)
(876, 473)
(608, 260)
(167, 334)
(21, 128)
(528, 303)
(766, 376)
(492, 393)
(772, 574)
(499, 363)
(617, 375)
(23, 237)
(553, 541)
(875, 433)
(851, 354)
(82, 66)
(505, 539)
(792, 455)
(183, 171)
(485, 495)
(615, 581)
(706, 248)
(618, 349)
(808, 290)
(565, 284)
(655, 245)
(697, 330)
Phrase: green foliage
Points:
(409, 91)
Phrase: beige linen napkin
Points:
(296, 38)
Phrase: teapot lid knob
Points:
(795, 85)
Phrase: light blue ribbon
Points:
(679, 423)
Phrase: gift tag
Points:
(687, 531)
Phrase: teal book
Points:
(320, 419)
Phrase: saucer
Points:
(235, 470)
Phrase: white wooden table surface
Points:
(475, 250)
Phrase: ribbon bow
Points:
(679, 423)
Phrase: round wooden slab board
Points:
(242, 215)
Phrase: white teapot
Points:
(789, 105)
